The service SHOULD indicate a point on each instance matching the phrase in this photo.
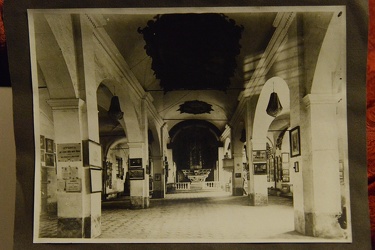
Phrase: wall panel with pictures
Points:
(271, 168)
(120, 168)
(108, 174)
(276, 166)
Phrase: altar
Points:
(197, 177)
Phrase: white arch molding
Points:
(130, 121)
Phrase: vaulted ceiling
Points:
(174, 105)
(257, 31)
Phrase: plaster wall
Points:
(114, 152)
(48, 174)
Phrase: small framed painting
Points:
(295, 142)
(95, 180)
(260, 168)
(137, 174)
(42, 142)
(50, 160)
(157, 177)
(49, 145)
(259, 155)
(296, 166)
(135, 162)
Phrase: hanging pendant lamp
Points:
(114, 111)
(274, 106)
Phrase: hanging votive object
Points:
(274, 106)
(114, 111)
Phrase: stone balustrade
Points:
(183, 186)
(212, 185)
(204, 185)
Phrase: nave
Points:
(203, 216)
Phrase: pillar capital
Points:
(237, 154)
(310, 99)
(135, 144)
(63, 104)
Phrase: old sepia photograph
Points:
(190, 125)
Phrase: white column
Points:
(170, 169)
(79, 210)
(258, 192)
(320, 173)
(220, 170)
(139, 191)
(159, 177)
(237, 178)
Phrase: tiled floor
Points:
(199, 216)
(194, 217)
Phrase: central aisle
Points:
(199, 217)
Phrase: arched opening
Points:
(267, 161)
(195, 152)
(114, 149)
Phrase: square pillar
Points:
(258, 185)
(159, 183)
(320, 173)
(220, 170)
(78, 210)
(139, 185)
(170, 169)
(237, 178)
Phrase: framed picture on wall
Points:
(272, 169)
(42, 142)
(260, 168)
(137, 174)
(157, 177)
(148, 169)
(296, 166)
(286, 179)
(135, 163)
(295, 142)
(50, 160)
(95, 180)
(49, 145)
(92, 154)
(42, 158)
(259, 155)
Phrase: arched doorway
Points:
(195, 152)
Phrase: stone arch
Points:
(331, 60)
(116, 143)
(154, 139)
(238, 135)
(324, 136)
(53, 65)
(130, 121)
(195, 145)
(227, 148)
(175, 130)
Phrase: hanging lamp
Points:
(274, 106)
(114, 111)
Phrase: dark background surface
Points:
(15, 18)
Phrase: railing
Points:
(183, 186)
(212, 185)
